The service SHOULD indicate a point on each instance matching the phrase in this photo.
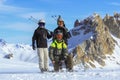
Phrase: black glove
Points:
(51, 33)
(33, 47)
(69, 35)
(64, 58)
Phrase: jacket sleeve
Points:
(33, 39)
(51, 53)
(54, 32)
(65, 51)
(49, 35)
(67, 33)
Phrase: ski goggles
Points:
(41, 24)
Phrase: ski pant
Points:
(68, 63)
(57, 65)
(43, 58)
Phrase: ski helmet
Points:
(41, 21)
(60, 20)
(59, 35)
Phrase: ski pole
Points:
(54, 17)
(36, 21)
(33, 19)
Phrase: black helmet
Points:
(59, 35)
(58, 32)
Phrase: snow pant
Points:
(57, 65)
(43, 58)
(69, 62)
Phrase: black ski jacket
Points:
(40, 36)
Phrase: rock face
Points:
(98, 46)
(113, 23)
(76, 23)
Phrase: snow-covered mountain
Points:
(93, 43)
(20, 52)
(113, 23)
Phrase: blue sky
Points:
(15, 26)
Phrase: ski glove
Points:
(33, 47)
(69, 35)
(64, 58)
(51, 33)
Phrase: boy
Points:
(58, 51)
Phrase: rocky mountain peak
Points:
(96, 48)
(113, 23)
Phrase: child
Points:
(58, 51)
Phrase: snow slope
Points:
(15, 70)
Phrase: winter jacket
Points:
(40, 36)
(65, 32)
(58, 51)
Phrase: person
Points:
(58, 53)
(40, 36)
(61, 26)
